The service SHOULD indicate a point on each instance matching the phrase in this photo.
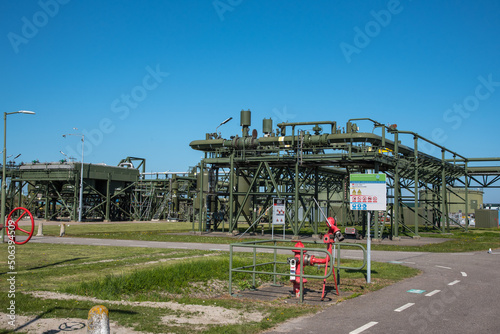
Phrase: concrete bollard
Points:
(62, 232)
(40, 230)
(98, 320)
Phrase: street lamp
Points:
(80, 206)
(13, 161)
(4, 177)
(71, 159)
(222, 123)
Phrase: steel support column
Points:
(416, 181)
(108, 197)
(444, 205)
(395, 232)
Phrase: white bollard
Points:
(40, 230)
(98, 320)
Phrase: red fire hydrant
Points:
(310, 260)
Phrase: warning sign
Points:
(279, 211)
(368, 192)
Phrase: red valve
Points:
(295, 268)
(299, 261)
(15, 224)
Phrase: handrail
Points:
(260, 244)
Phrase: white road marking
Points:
(404, 307)
(454, 282)
(364, 327)
(432, 293)
(464, 274)
(443, 267)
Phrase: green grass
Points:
(145, 231)
(459, 241)
(84, 228)
(176, 278)
(186, 276)
(43, 266)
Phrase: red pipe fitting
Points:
(298, 261)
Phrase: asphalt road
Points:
(456, 293)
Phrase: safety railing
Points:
(263, 246)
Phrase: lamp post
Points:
(80, 206)
(222, 123)
(4, 176)
(71, 159)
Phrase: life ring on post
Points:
(12, 236)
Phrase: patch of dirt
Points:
(210, 289)
(176, 258)
(35, 325)
(197, 315)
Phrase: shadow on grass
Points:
(50, 264)
(57, 263)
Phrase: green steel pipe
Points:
(231, 193)
(444, 218)
(254, 263)
(415, 138)
(257, 244)
(316, 197)
(466, 200)
(295, 221)
(474, 159)
(431, 142)
(108, 197)
(202, 212)
(275, 259)
(395, 231)
(310, 141)
(294, 124)
(230, 269)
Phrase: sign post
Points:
(279, 207)
(368, 192)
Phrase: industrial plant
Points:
(308, 164)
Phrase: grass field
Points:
(159, 290)
(166, 290)
(459, 241)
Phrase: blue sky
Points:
(145, 78)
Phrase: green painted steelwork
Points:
(299, 165)
(264, 246)
(53, 190)
(168, 196)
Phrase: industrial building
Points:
(306, 163)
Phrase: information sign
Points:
(368, 192)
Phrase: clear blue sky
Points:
(144, 78)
